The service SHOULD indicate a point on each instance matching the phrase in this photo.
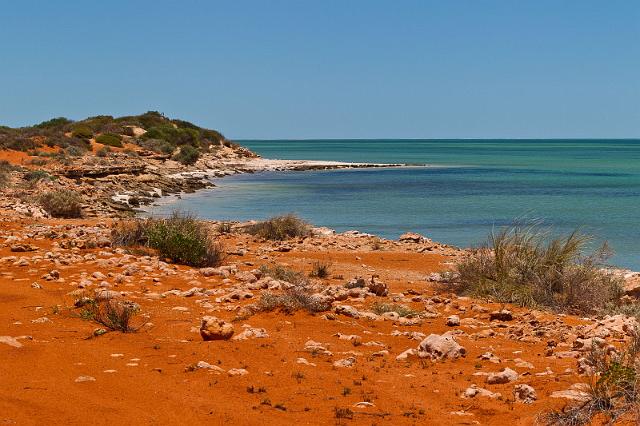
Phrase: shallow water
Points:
(469, 188)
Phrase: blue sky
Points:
(334, 69)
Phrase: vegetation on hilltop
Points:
(151, 131)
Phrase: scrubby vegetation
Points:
(613, 388)
(187, 155)
(36, 176)
(5, 169)
(296, 298)
(63, 203)
(283, 273)
(163, 135)
(281, 228)
(527, 266)
(401, 310)
(82, 132)
(114, 314)
(181, 238)
(110, 139)
(320, 269)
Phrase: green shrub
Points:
(62, 203)
(103, 152)
(181, 238)
(176, 136)
(97, 123)
(402, 310)
(36, 175)
(157, 145)
(281, 228)
(53, 123)
(21, 144)
(82, 132)
(110, 139)
(187, 155)
(524, 265)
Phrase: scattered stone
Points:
(524, 394)
(453, 321)
(505, 376)
(81, 379)
(237, 372)
(213, 328)
(439, 347)
(503, 315)
(11, 341)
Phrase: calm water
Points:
(470, 187)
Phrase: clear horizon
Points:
(332, 70)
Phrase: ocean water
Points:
(468, 188)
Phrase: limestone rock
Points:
(439, 347)
(213, 328)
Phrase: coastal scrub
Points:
(524, 265)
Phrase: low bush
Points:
(224, 228)
(5, 169)
(187, 155)
(283, 273)
(524, 265)
(157, 145)
(54, 123)
(103, 152)
(181, 238)
(62, 203)
(110, 139)
(20, 144)
(36, 176)
(320, 269)
(294, 299)
(82, 132)
(613, 388)
(176, 136)
(114, 314)
(74, 151)
(281, 228)
(402, 310)
(130, 233)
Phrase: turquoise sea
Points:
(469, 187)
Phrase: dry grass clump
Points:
(224, 228)
(181, 238)
(281, 228)
(524, 265)
(613, 388)
(63, 203)
(292, 300)
(283, 273)
(114, 314)
(320, 269)
(5, 177)
(401, 310)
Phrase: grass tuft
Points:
(63, 203)
(182, 238)
(526, 266)
(320, 269)
(281, 228)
